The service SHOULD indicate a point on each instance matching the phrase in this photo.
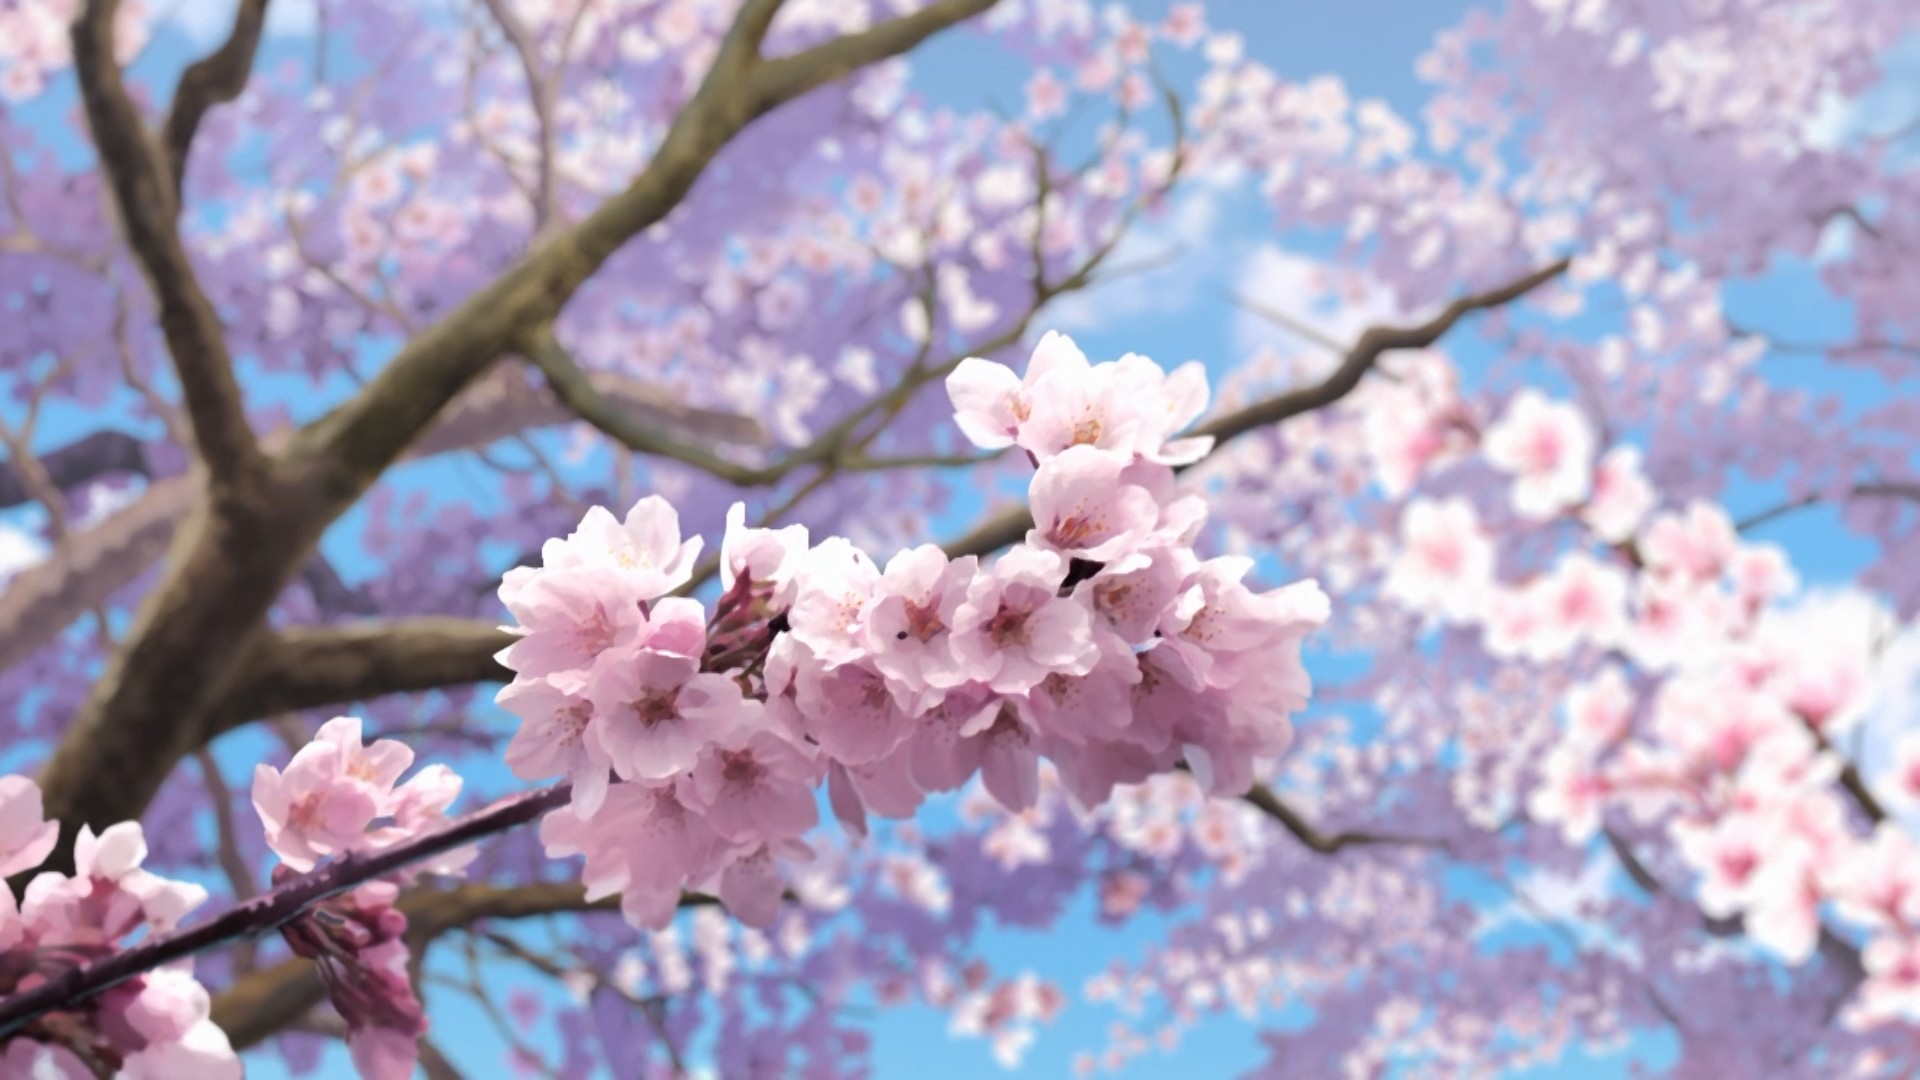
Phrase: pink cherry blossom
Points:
(1547, 447)
(909, 623)
(1445, 562)
(754, 786)
(768, 557)
(1582, 601)
(1014, 628)
(552, 739)
(656, 710)
(1082, 509)
(1571, 794)
(1695, 544)
(1219, 631)
(837, 582)
(644, 549)
(25, 839)
(1621, 496)
(567, 619)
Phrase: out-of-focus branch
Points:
(141, 178)
(266, 1001)
(91, 457)
(218, 77)
(1908, 491)
(1010, 525)
(83, 572)
(307, 667)
(351, 445)
(573, 387)
(541, 91)
(1836, 950)
(1262, 798)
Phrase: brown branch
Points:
(1908, 491)
(576, 390)
(307, 667)
(159, 696)
(266, 1001)
(141, 180)
(273, 910)
(350, 446)
(541, 88)
(89, 458)
(1836, 950)
(1262, 798)
(85, 571)
(1374, 343)
(217, 78)
(1008, 526)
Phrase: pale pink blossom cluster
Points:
(1712, 713)
(695, 742)
(153, 1027)
(338, 796)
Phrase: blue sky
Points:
(1180, 313)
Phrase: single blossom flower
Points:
(643, 550)
(1014, 628)
(1547, 446)
(1445, 564)
(1083, 510)
(909, 623)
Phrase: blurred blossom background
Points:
(1571, 345)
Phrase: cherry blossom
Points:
(1548, 448)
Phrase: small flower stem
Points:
(272, 910)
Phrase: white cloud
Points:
(19, 549)
(1184, 249)
(1889, 105)
(1276, 286)
(1542, 899)
(207, 22)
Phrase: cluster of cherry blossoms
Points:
(695, 741)
(1707, 714)
(152, 1027)
(338, 797)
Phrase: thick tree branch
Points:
(141, 179)
(308, 667)
(217, 78)
(1008, 526)
(156, 701)
(44, 599)
(354, 443)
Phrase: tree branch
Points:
(266, 1001)
(351, 445)
(143, 190)
(1262, 798)
(273, 910)
(217, 78)
(308, 667)
(153, 704)
(1908, 491)
(576, 390)
(89, 458)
